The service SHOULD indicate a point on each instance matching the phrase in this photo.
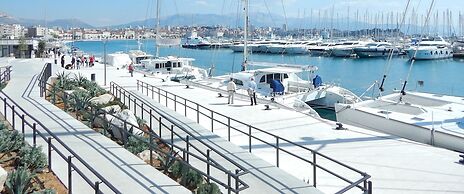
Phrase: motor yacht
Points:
(376, 49)
(430, 48)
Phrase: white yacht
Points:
(427, 118)
(376, 49)
(322, 49)
(427, 49)
(346, 49)
(171, 68)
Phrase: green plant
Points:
(65, 82)
(140, 121)
(45, 191)
(136, 145)
(22, 47)
(10, 141)
(41, 48)
(32, 158)
(19, 181)
(79, 101)
(53, 92)
(81, 81)
(178, 168)
(94, 89)
(167, 161)
(191, 179)
(208, 188)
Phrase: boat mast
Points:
(157, 27)
(245, 36)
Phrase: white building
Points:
(36, 31)
(11, 31)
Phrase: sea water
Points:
(355, 74)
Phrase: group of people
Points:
(251, 90)
(77, 61)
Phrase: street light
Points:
(105, 40)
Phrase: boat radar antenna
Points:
(158, 2)
(403, 90)
(390, 56)
(245, 36)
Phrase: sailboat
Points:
(169, 67)
(427, 118)
(282, 83)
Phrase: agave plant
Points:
(54, 91)
(10, 141)
(19, 181)
(79, 101)
(191, 179)
(208, 188)
(45, 191)
(65, 82)
(167, 161)
(94, 89)
(32, 158)
(136, 145)
(81, 81)
(179, 168)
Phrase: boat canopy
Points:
(278, 66)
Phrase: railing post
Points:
(34, 128)
(151, 120)
(172, 137)
(175, 103)
(249, 138)
(23, 124)
(142, 110)
(236, 180)
(229, 187)
(277, 151)
(212, 121)
(135, 107)
(198, 113)
(185, 107)
(187, 146)
(160, 125)
(69, 175)
(4, 107)
(138, 86)
(207, 165)
(228, 128)
(125, 133)
(49, 142)
(151, 148)
(146, 87)
(369, 187)
(166, 99)
(159, 95)
(314, 169)
(97, 187)
(13, 117)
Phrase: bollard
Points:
(92, 77)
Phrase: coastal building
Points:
(36, 32)
(12, 48)
(11, 31)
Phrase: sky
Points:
(113, 12)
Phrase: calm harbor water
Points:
(439, 76)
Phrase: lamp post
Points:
(104, 60)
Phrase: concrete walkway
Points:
(125, 171)
(263, 177)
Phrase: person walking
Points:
(252, 91)
(62, 61)
(131, 69)
(91, 61)
(231, 87)
(78, 62)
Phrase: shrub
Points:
(10, 141)
(81, 81)
(191, 179)
(136, 145)
(141, 122)
(94, 89)
(208, 188)
(45, 191)
(167, 161)
(19, 181)
(178, 168)
(80, 101)
(32, 158)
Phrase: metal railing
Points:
(5, 74)
(162, 121)
(28, 122)
(203, 156)
(363, 183)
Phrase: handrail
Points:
(117, 91)
(202, 156)
(6, 74)
(142, 86)
(43, 79)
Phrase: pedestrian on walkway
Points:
(73, 61)
(78, 62)
(62, 61)
(252, 91)
(131, 69)
(231, 87)
(92, 60)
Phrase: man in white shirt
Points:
(231, 87)
(252, 91)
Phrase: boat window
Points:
(269, 77)
(238, 82)
(446, 52)
(285, 76)
(157, 65)
(431, 52)
(169, 64)
(436, 52)
(441, 52)
(263, 79)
